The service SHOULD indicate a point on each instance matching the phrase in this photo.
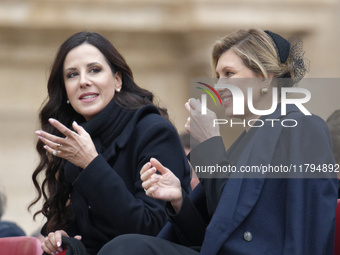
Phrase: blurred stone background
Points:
(165, 42)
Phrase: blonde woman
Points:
(240, 212)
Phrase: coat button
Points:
(247, 236)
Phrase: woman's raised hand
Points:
(164, 186)
(201, 127)
(77, 146)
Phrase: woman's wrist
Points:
(177, 204)
(89, 160)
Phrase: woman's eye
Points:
(71, 75)
(224, 75)
(95, 70)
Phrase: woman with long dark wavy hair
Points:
(98, 128)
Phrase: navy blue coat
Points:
(267, 215)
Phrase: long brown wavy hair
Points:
(53, 189)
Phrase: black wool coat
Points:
(107, 198)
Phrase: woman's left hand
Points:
(77, 146)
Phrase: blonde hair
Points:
(257, 51)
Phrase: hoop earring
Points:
(264, 91)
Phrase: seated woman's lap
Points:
(135, 244)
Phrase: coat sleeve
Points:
(187, 227)
(310, 201)
(117, 202)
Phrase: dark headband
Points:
(282, 45)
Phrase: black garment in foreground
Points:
(144, 245)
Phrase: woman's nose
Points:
(84, 81)
(220, 81)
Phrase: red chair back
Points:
(20, 245)
(337, 229)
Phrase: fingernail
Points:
(75, 122)
(45, 147)
(52, 253)
(58, 244)
(38, 132)
(51, 120)
(60, 249)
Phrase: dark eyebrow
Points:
(93, 63)
(88, 65)
(70, 69)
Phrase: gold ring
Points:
(58, 146)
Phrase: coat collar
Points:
(122, 140)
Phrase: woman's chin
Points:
(228, 112)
